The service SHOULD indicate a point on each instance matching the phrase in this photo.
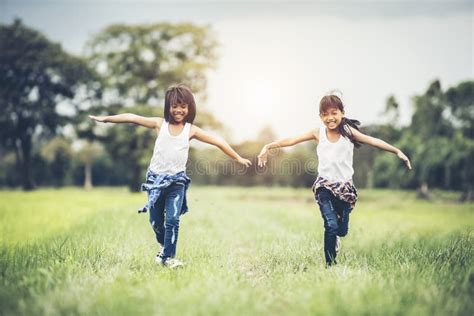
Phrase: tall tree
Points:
(58, 153)
(460, 100)
(429, 124)
(137, 64)
(35, 76)
(430, 117)
(392, 110)
(439, 141)
(87, 153)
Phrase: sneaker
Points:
(172, 263)
(330, 264)
(159, 255)
(338, 244)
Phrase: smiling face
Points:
(180, 106)
(332, 117)
(331, 111)
(178, 112)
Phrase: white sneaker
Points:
(338, 244)
(159, 255)
(173, 263)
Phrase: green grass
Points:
(248, 251)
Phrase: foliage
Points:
(138, 63)
(128, 69)
(35, 76)
(58, 153)
(439, 141)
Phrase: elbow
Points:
(132, 118)
(219, 145)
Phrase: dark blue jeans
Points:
(164, 218)
(335, 213)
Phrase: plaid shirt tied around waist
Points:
(156, 182)
(345, 191)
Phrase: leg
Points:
(344, 209)
(326, 206)
(173, 203)
(157, 219)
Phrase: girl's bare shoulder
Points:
(158, 121)
(193, 131)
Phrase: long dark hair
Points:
(333, 101)
(180, 94)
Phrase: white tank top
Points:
(171, 152)
(335, 159)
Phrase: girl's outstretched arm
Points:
(205, 137)
(263, 156)
(150, 122)
(376, 142)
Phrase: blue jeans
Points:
(335, 213)
(164, 218)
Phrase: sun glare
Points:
(260, 93)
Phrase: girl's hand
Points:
(247, 163)
(263, 157)
(405, 159)
(98, 118)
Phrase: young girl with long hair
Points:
(333, 189)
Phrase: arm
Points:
(376, 142)
(205, 137)
(150, 122)
(263, 156)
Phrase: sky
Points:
(278, 58)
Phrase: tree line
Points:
(47, 140)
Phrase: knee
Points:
(343, 233)
(154, 225)
(331, 227)
(172, 220)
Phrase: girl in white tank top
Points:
(333, 188)
(166, 179)
(334, 158)
(171, 152)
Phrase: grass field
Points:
(253, 251)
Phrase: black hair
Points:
(333, 101)
(180, 94)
